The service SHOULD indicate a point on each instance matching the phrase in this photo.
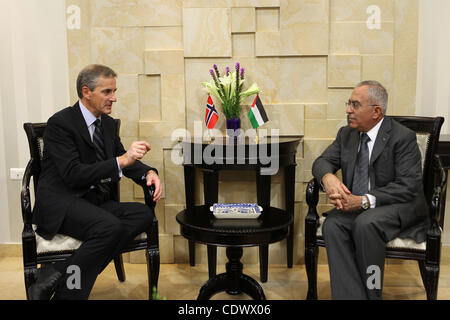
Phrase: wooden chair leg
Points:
(430, 278)
(263, 262)
(311, 256)
(30, 278)
(153, 264)
(120, 270)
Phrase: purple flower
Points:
(237, 66)
(227, 70)
(216, 70)
(242, 73)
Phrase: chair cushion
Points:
(61, 242)
(406, 243)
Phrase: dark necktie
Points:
(99, 145)
(361, 175)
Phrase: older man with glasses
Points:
(379, 198)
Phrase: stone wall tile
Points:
(207, 32)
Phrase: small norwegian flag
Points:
(211, 115)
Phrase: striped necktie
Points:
(99, 145)
(361, 175)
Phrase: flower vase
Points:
(233, 127)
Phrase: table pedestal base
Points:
(233, 281)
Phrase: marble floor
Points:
(182, 282)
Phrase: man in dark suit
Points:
(82, 156)
(379, 198)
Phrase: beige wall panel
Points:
(128, 13)
(175, 193)
(267, 43)
(126, 190)
(356, 38)
(171, 225)
(160, 214)
(303, 80)
(202, 36)
(243, 191)
(380, 68)
(316, 111)
(79, 46)
(127, 106)
(305, 39)
(243, 20)
(295, 11)
(181, 250)
(207, 4)
(163, 38)
(318, 129)
(378, 41)
(357, 10)
(255, 3)
(164, 62)
(150, 98)
(172, 97)
(343, 70)
(154, 157)
(304, 27)
(266, 73)
(243, 44)
(158, 128)
(267, 19)
(313, 149)
(288, 118)
(119, 48)
(403, 101)
(336, 103)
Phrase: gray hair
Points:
(89, 77)
(377, 94)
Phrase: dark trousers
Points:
(104, 229)
(356, 244)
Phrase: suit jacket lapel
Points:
(381, 140)
(81, 125)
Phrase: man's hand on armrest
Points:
(152, 178)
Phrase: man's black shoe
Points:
(45, 285)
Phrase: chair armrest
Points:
(148, 193)
(312, 218)
(439, 191)
(28, 234)
(153, 233)
(25, 199)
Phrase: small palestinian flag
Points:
(257, 115)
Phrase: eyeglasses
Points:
(356, 104)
